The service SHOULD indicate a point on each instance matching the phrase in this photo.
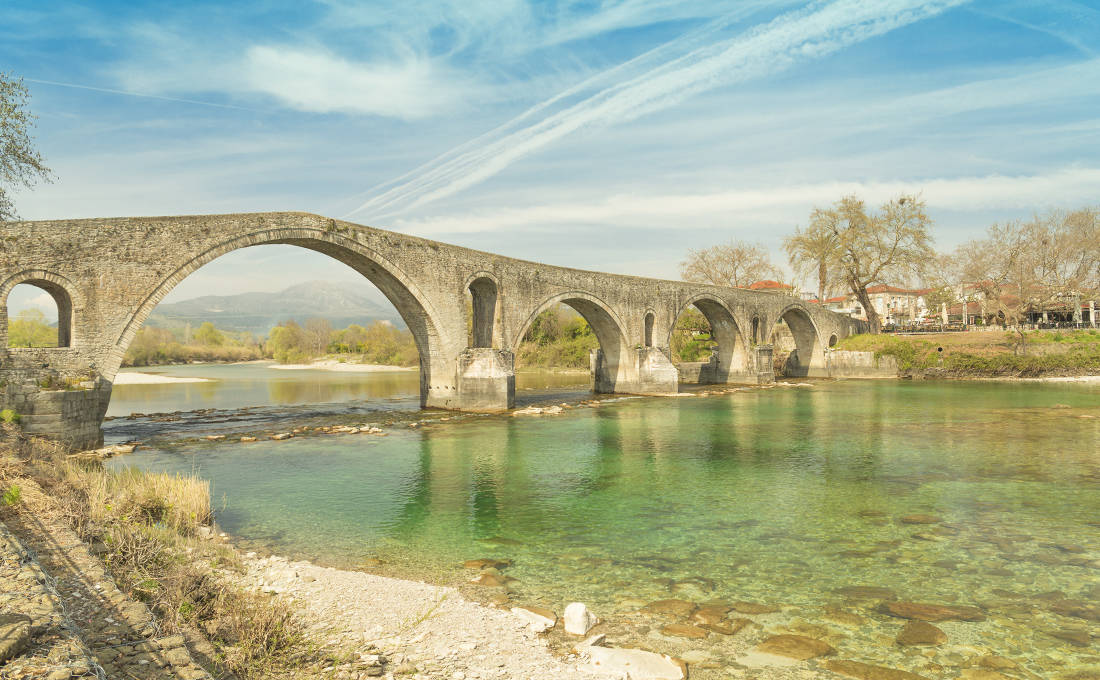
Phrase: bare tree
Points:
(735, 264)
(1025, 267)
(890, 245)
(318, 334)
(815, 251)
(20, 164)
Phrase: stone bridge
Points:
(107, 276)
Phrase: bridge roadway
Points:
(107, 276)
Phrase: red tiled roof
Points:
(765, 285)
(888, 289)
(836, 299)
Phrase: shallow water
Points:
(778, 496)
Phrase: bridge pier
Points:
(765, 366)
(486, 379)
(72, 417)
(649, 372)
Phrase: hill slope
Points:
(258, 312)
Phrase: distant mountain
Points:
(258, 313)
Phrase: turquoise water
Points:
(779, 496)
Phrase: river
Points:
(983, 494)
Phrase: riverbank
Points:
(215, 609)
(987, 354)
(135, 378)
(341, 366)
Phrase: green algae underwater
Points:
(805, 509)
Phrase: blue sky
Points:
(604, 135)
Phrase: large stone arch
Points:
(398, 288)
(732, 357)
(610, 368)
(808, 356)
(65, 295)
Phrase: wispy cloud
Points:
(783, 204)
(128, 93)
(797, 36)
(319, 82)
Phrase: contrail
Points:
(639, 88)
(137, 94)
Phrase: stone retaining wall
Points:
(842, 363)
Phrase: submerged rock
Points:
(1077, 638)
(932, 612)
(578, 620)
(684, 630)
(1076, 609)
(710, 614)
(678, 608)
(867, 593)
(862, 671)
(920, 633)
(919, 519)
(753, 608)
(490, 580)
(730, 627)
(486, 562)
(797, 647)
(635, 664)
(536, 618)
(281, 436)
(844, 618)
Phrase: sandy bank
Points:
(128, 378)
(432, 628)
(341, 366)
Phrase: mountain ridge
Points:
(258, 312)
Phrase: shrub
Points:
(9, 416)
(12, 495)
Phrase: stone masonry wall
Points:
(112, 273)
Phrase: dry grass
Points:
(179, 503)
(148, 524)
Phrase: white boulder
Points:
(578, 620)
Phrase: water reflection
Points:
(780, 496)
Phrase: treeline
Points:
(561, 338)
(1049, 262)
(154, 346)
(29, 328)
(288, 343)
(378, 343)
(558, 338)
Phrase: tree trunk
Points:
(822, 274)
(873, 321)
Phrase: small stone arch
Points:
(398, 288)
(755, 331)
(647, 328)
(65, 295)
(611, 363)
(807, 357)
(485, 293)
(833, 340)
(731, 357)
